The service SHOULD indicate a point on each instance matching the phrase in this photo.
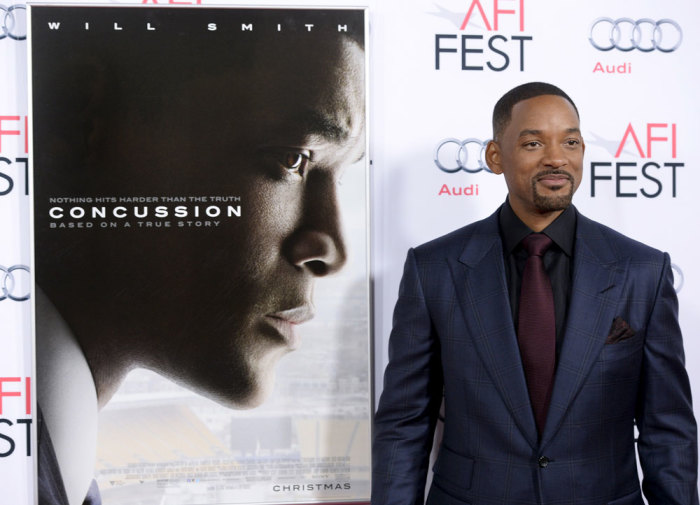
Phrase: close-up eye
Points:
(287, 160)
(295, 162)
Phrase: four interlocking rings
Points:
(9, 283)
(653, 36)
(13, 24)
(461, 157)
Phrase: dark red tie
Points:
(536, 328)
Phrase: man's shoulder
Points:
(454, 242)
(623, 246)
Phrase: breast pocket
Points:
(617, 371)
(624, 349)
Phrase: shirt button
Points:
(543, 461)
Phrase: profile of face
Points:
(540, 154)
(214, 308)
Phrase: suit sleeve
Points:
(667, 441)
(409, 405)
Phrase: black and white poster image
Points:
(200, 255)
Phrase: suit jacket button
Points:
(543, 461)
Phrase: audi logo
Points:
(11, 286)
(453, 155)
(678, 278)
(13, 22)
(625, 34)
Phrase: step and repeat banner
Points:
(435, 70)
(17, 414)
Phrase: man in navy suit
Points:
(616, 345)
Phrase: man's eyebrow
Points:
(529, 132)
(325, 125)
(539, 132)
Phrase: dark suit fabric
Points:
(453, 334)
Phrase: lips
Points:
(285, 323)
(554, 180)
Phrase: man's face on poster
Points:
(215, 307)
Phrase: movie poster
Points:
(200, 254)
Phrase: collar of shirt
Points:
(562, 230)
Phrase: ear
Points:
(493, 157)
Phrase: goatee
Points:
(552, 203)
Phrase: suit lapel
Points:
(598, 278)
(480, 283)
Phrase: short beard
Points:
(544, 203)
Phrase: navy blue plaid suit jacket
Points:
(453, 335)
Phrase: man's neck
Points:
(537, 221)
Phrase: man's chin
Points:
(240, 381)
(243, 397)
(238, 391)
(252, 401)
(552, 203)
(252, 389)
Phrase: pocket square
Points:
(620, 330)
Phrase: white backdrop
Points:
(639, 110)
(16, 467)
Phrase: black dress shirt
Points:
(557, 260)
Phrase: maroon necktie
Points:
(536, 328)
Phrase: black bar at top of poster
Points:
(148, 21)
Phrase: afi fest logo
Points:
(15, 399)
(491, 37)
(625, 35)
(14, 170)
(13, 22)
(654, 173)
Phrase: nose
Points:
(318, 245)
(554, 156)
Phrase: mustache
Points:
(554, 171)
